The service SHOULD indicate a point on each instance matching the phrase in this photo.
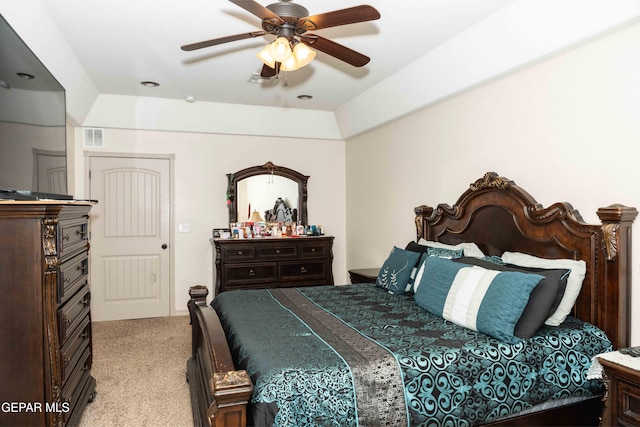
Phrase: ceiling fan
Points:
(290, 22)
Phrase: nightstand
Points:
(364, 275)
(621, 375)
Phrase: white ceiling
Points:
(123, 42)
(422, 51)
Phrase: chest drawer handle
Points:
(277, 251)
(252, 273)
(239, 252)
(66, 237)
(303, 270)
(313, 249)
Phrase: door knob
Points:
(164, 246)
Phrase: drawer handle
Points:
(66, 237)
(277, 251)
(84, 301)
(239, 252)
(66, 280)
(303, 270)
(252, 273)
(313, 249)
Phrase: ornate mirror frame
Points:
(266, 169)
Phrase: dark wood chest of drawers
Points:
(272, 262)
(45, 320)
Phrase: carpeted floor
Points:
(139, 366)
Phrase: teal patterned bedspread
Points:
(357, 355)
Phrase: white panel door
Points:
(50, 171)
(130, 262)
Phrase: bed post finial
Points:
(422, 212)
(615, 313)
(612, 218)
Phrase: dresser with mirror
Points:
(274, 194)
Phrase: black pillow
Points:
(415, 247)
(544, 298)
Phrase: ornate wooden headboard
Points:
(499, 216)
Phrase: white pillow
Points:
(470, 249)
(574, 282)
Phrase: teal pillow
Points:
(477, 298)
(424, 251)
(396, 270)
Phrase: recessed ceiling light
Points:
(150, 84)
(26, 76)
(305, 97)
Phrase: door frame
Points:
(88, 154)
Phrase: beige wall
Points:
(565, 129)
(200, 166)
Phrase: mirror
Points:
(277, 193)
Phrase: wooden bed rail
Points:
(219, 393)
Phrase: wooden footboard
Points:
(219, 393)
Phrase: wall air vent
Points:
(93, 138)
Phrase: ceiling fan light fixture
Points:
(266, 58)
(303, 54)
(290, 64)
(280, 49)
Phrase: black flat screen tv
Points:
(33, 150)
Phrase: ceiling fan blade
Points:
(336, 50)
(350, 15)
(221, 40)
(257, 9)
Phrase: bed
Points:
(369, 355)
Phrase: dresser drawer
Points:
(628, 404)
(314, 250)
(73, 236)
(251, 273)
(277, 252)
(239, 253)
(73, 349)
(74, 274)
(290, 271)
(76, 383)
(72, 314)
(272, 262)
